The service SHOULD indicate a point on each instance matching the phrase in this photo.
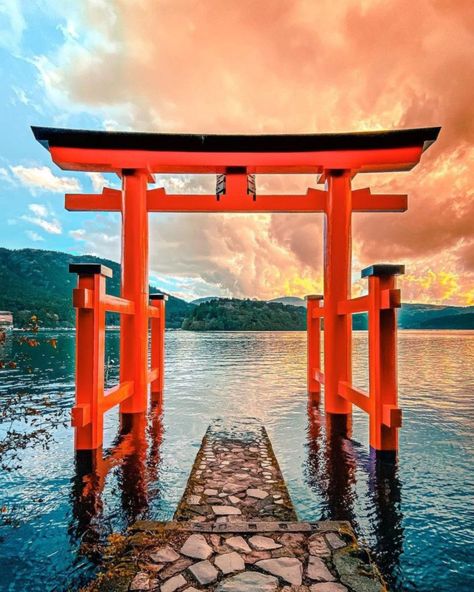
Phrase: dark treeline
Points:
(245, 315)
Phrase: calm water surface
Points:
(416, 516)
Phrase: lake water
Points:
(417, 516)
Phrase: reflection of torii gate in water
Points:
(336, 158)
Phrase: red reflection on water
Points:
(136, 455)
(333, 465)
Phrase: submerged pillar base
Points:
(339, 425)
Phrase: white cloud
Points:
(5, 176)
(21, 95)
(34, 236)
(43, 218)
(50, 226)
(79, 234)
(43, 178)
(98, 181)
(12, 24)
(38, 209)
(69, 30)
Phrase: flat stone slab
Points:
(258, 493)
(239, 544)
(317, 570)
(249, 582)
(263, 543)
(204, 572)
(173, 584)
(328, 587)
(164, 555)
(226, 511)
(230, 562)
(334, 540)
(196, 547)
(289, 569)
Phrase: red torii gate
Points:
(235, 160)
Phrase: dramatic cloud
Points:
(231, 254)
(278, 66)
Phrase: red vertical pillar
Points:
(385, 417)
(158, 345)
(337, 270)
(134, 328)
(313, 328)
(87, 415)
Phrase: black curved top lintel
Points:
(373, 140)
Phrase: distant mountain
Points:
(204, 299)
(431, 316)
(427, 316)
(455, 321)
(34, 281)
(226, 314)
(289, 300)
(253, 315)
(411, 316)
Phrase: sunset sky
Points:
(243, 66)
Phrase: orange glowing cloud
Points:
(279, 66)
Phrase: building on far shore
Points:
(6, 320)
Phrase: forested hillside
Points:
(428, 316)
(34, 281)
(245, 315)
(253, 315)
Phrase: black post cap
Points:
(382, 269)
(314, 297)
(90, 269)
(158, 297)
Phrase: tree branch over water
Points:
(26, 420)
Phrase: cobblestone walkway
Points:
(236, 477)
(235, 530)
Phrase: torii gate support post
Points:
(158, 346)
(385, 416)
(88, 300)
(337, 270)
(313, 324)
(134, 329)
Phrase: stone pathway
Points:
(235, 530)
(235, 477)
